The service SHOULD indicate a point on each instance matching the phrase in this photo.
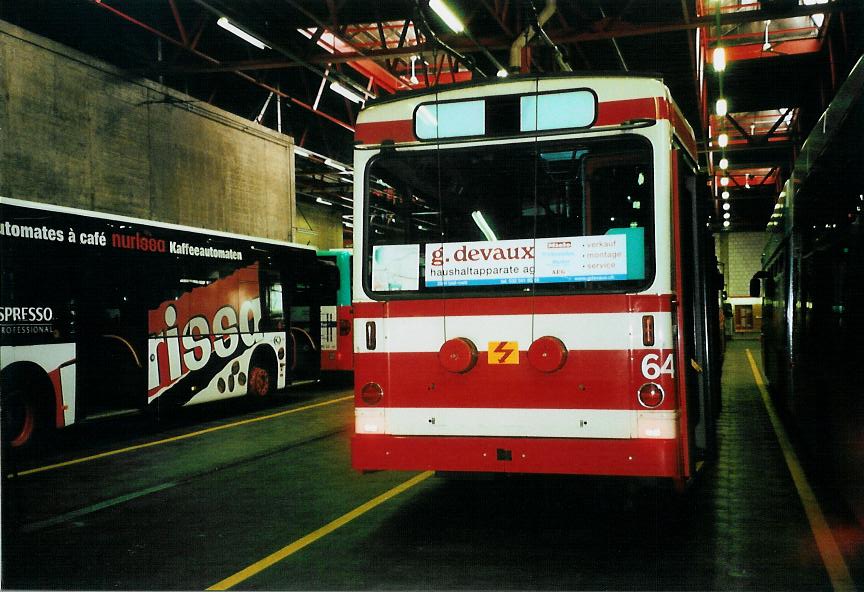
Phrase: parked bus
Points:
(337, 316)
(813, 295)
(102, 315)
(531, 294)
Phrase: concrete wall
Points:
(320, 226)
(740, 256)
(75, 131)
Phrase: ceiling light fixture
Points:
(484, 227)
(447, 15)
(231, 27)
(723, 140)
(323, 201)
(719, 59)
(348, 94)
(724, 163)
(767, 45)
(413, 78)
(336, 165)
(721, 107)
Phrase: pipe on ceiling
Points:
(528, 34)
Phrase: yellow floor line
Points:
(841, 580)
(85, 459)
(310, 538)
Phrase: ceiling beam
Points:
(616, 31)
(214, 61)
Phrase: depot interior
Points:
(190, 111)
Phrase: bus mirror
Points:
(756, 283)
(755, 287)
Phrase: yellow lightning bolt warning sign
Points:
(503, 352)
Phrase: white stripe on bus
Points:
(594, 331)
(527, 423)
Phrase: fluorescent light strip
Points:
(483, 225)
(447, 15)
(348, 94)
(231, 27)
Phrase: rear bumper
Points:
(624, 457)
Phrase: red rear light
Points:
(458, 355)
(650, 395)
(344, 327)
(547, 354)
(371, 393)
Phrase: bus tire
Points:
(24, 409)
(261, 377)
(19, 418)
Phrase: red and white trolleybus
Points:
(532, 293)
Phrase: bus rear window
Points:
(506, 115)
(559, 110)
(450, 120)
(557, 217)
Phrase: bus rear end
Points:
(337, 316)
(515, 305)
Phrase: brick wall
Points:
(740, 256)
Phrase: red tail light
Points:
(650, 395)
(458, 355)
(547, 354)
(371, 393)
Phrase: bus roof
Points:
(488, 82)
(619, 100)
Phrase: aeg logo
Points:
(200, 338)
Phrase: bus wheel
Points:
(19, 418)
(259, 381)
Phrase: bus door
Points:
(697, 299)
(300, 293)
(111, 334)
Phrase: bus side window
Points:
(329, 281)
(273, 306)
(300, 310)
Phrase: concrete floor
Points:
(190, 512)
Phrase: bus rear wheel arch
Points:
(262, 374)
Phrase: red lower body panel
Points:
(633, 458)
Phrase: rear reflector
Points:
(371, 393)
(650, 395)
